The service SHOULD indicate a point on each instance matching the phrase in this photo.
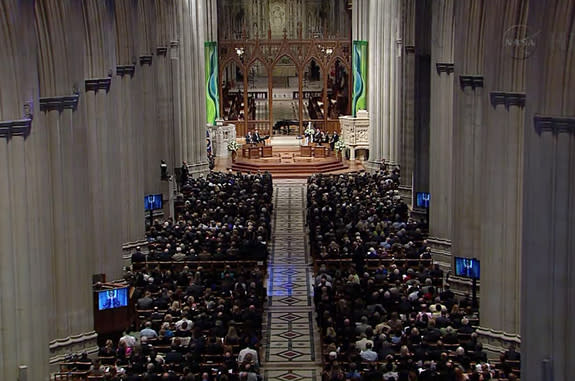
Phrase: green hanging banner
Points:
(212, 99)
(359, 70)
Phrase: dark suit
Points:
(112, 302)
(257, 138)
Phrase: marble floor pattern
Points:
(290, 347)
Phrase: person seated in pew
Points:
(250, 138)
(259, 138)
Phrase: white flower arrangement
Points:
(233, 146)
(339, 145)
(309, 131)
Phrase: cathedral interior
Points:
(473, 101)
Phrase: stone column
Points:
(406, 137)
(548, 223)
(25, 249)
(25, 222)
(382, 71)
(193, 109)
(360, 20)
(468, 118)
(501, 185)
(441, 131)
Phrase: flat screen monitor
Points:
(422, 200)
(114, 298)
(153, 202)
(467, 267)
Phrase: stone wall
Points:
(94, 94)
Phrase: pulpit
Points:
(355, 131)
(220, 136)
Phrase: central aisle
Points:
(291, 338)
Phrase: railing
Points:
(258, 95)
(263, 127)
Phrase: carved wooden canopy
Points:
(245, 53)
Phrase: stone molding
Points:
(554, 124)
(174, 44)
(410, 49)
(507, 99)
(441, 251)
(95, 84)
(473, 81)
(462, 286)
(146, 59)
(497, 341)
(123, 70)
(406, 193)
(60, 103)
(132, 245)
(444, 67)
(10, 128)
(60, 348)
(161, 50)
(198, 169)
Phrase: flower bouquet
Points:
(309, 131)
(233, 146)
(339, 145)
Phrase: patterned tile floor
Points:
(290, 335)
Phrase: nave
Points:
(291, 338)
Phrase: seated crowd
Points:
(362, 216)
(200, 292)
(223, 216)
(392, 320)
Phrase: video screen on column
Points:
(114, 298)
(422, 200)
(467, 267)
(153, 202)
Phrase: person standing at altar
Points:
(333, 139)
(319, 136)
(309, 133)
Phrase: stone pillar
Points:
(406, 136)
(71, 320)
(382, 71)
(360, 20)
(211, 21)
(441, 130)
(25, 249)
(468, 118)
(501, 185)
(422, 83)
(192, 92)
(548, 223)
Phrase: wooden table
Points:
(255, 151)
(314, 150)
(266, 151)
